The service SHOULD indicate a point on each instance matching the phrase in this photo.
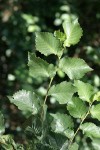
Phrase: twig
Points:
(71, 141)
(48, 89)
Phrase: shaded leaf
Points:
(56, 140)
(64, 146)
(95, 111)
(73, 32)
(85, 90)
(75, 68)
(26, 100)
(47, 44)
(2, 125)
(77, 108)
(41, 146)
(91, 130)
(62, 123)
(63, 92)
(39, 67)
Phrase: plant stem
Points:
(88, 112)
(52, 78)
(48, 89)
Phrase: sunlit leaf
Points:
(85, 90)
(96, 143)
(91, 130)
(25, 100)
(75, 68)
(60, 35)
(95, 111)
(7, 142)
(74, 146)
(96, 96)
(73, 32)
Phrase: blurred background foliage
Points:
(19, 20)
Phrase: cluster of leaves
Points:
(57, 131)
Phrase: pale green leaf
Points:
(91, 130)
(96, 143)
(62, 92)
(2, 126)
(96, 96)
(60, 35)
(95, 111)
(25, 101)
(73, 32)
(77, 108)
(7, 142)
(62, 123)
(39, 67)
(75, 68)
(74, 146)
(47, 44)
(85, 90)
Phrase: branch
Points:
(88, 112)
(48, 89)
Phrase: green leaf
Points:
(77, 108)
(63, 92)
(7, 142)
(96, 96)
(47, 44)
(75, 68)
(60, 35)
(91, 130)
(74, 146)
(62, 123)
(2, 126)
(20, 146)
(26, 101)
(95, 111)
(73, 32)
(41, 146)
(64, 146)
(96, 143)
(85, 90)
(56, 140)
(39, 67)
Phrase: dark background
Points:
(19, 20)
